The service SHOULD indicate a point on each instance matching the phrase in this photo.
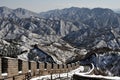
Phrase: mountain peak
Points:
(102, 10)
(5, 10)
(4, 7)
(22, 10)
(19, 12)
(73, 8)
(76, 8)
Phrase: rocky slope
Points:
(45, 33)
(19, 12)
(61, 36)
(100, 27)
(105, 60)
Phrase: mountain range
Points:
(96, 27)
(60, 35)
(63, 36)
(19, 12)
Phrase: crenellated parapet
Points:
(16, 69)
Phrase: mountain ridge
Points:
(79, 28)
(93, 19)
(63, 36)
(18, 12)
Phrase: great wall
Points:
(15, 69)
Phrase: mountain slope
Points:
(81, 27)
(19, 12)
(101, 26)
(43, 32)
(62, 36)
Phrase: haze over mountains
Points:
(60, 35)
(117, 10)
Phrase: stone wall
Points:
(0, 68)
(13, 72)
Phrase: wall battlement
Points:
(15, 69)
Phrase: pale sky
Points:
(45, 5)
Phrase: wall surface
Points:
(30, 69)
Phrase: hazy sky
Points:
(44, 5)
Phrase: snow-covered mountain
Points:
(98, 27)
(19, 12)
(45, 33)
(105, 60)
(60, 36)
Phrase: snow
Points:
(89, 71)
(23, 56)
(69, 74)
(20, 72)
(4, 74)
(86, 74)
(29, 71)
(99, 76)
(102, 43)
(76, 72)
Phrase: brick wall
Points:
(33, 68)
(41, 69)
(13, 72)
(12, 67)
(0, 68)
(24, 67)
(41, 66)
